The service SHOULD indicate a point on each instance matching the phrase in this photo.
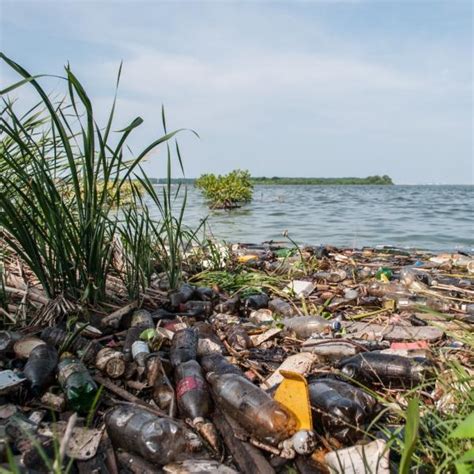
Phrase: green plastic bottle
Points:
(77, 384)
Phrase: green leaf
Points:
(465, 429)
(411, 435)
(148, 334)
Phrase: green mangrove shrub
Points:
(226, 191)
(68, 238)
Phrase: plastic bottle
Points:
(238, 338)
(415, 302)
(181, 295)
(205, 294)
(305, 326)
(231, 306)
(389, 290)
(256, 302)
(77, 384)
(158, 440)
(196, 308)
(192, 392)
(334, 276)
(40, 368)
(140, 351)
(263, 417)
(183, 346)
(389, 369)
(219, 364)
(281, 307)
(85, 348)
(142, 318)
(208, 341)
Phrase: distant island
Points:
(377, 180)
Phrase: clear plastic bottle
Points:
(264, 418)
(305, 326)
(40, 367)
(158, 440)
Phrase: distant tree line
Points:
(376, 179)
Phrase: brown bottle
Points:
(163, 392)
(180, 296)
(40, 368)
(183, 346)
(231, 306)
(192, 392)
(158, 440)
(263, 417)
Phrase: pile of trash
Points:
(311, 374)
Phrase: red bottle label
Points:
(187, 384)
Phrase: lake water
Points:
(424, 217)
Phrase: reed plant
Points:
(62, 186)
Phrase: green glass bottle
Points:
(77, 384)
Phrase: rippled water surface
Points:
(427, 217)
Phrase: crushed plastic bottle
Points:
(158, 440)
(305, 326)
(40, 368)
(263, 417)
(77, 384)
(183, 346)
(390, 369)
(238, 338)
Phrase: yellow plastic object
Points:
(246, 258)
(293, 393)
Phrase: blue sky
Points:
(294, 88)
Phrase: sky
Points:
(287, 88)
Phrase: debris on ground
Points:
(285, 360)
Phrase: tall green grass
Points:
(60, 186)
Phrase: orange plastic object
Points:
(293, 393)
